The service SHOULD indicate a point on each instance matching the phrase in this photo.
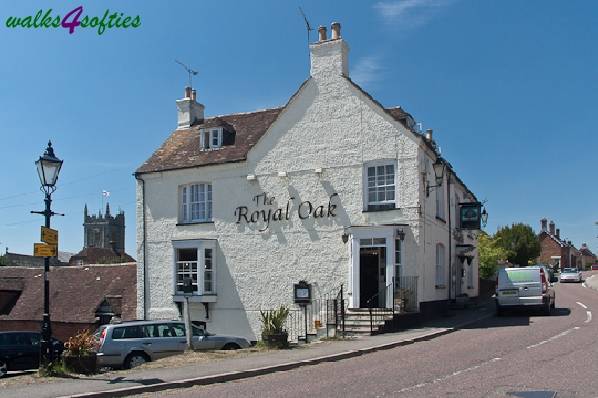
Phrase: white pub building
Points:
(331, 188)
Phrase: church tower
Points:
(104, 230)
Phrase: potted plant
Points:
(273, 333)
(79, 353)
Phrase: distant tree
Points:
(490, 254)
(521, 242)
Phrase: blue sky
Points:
(509, 87)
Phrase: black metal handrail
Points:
(405, 294)
(378, 313)
(335, 311)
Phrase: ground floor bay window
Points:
(195, 259)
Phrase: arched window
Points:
(440, 264)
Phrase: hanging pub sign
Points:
(470, 215)
(302, 292)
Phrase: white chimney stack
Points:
(189, 111)
(329, 58)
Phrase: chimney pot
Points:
(193, 95)
(322, 32)
(558, 233)
(551, 227)
(187, 92)
(336, 30)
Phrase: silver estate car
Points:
(131, 344)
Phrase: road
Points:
(509, 356)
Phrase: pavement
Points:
(242, 367)
(591, 280)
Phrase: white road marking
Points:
(566, 332)
(589, 315)
(582, 305)
(446, 377)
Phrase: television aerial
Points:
(190, 71)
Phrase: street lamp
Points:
(484, 217)
(48, 168)
(438, 174)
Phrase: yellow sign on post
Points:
(44, 250)
(50, 236)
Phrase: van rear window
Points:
(523, 275)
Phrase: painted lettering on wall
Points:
(271, 212)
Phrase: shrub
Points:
(54, 369)
(273, 321)
(80, 345)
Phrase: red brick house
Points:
(80, 297)
(554, 250)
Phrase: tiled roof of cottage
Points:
(182, 150)
(75, 292)
(99, 255)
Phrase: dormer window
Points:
(210, 138)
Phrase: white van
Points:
(523, 287)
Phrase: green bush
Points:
(273, 321)
(54, 369)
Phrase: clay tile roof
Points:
(217, 121)
(181, 149)
(75, 292)
(99, 255)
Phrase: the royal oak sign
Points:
(273, 212)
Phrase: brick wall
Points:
(60, 330)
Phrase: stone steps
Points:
(357, 320)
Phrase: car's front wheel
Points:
(135, 359)
(3, 368)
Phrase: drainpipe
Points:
(137, 177)
(450, 248)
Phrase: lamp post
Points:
(438, 174)
(48, 168)
(484, 217)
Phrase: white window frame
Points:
(202, 246)
(440, 265)
(366, 187)
(212, 133)
(440, 200)
(187, 202)
(398, 258)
